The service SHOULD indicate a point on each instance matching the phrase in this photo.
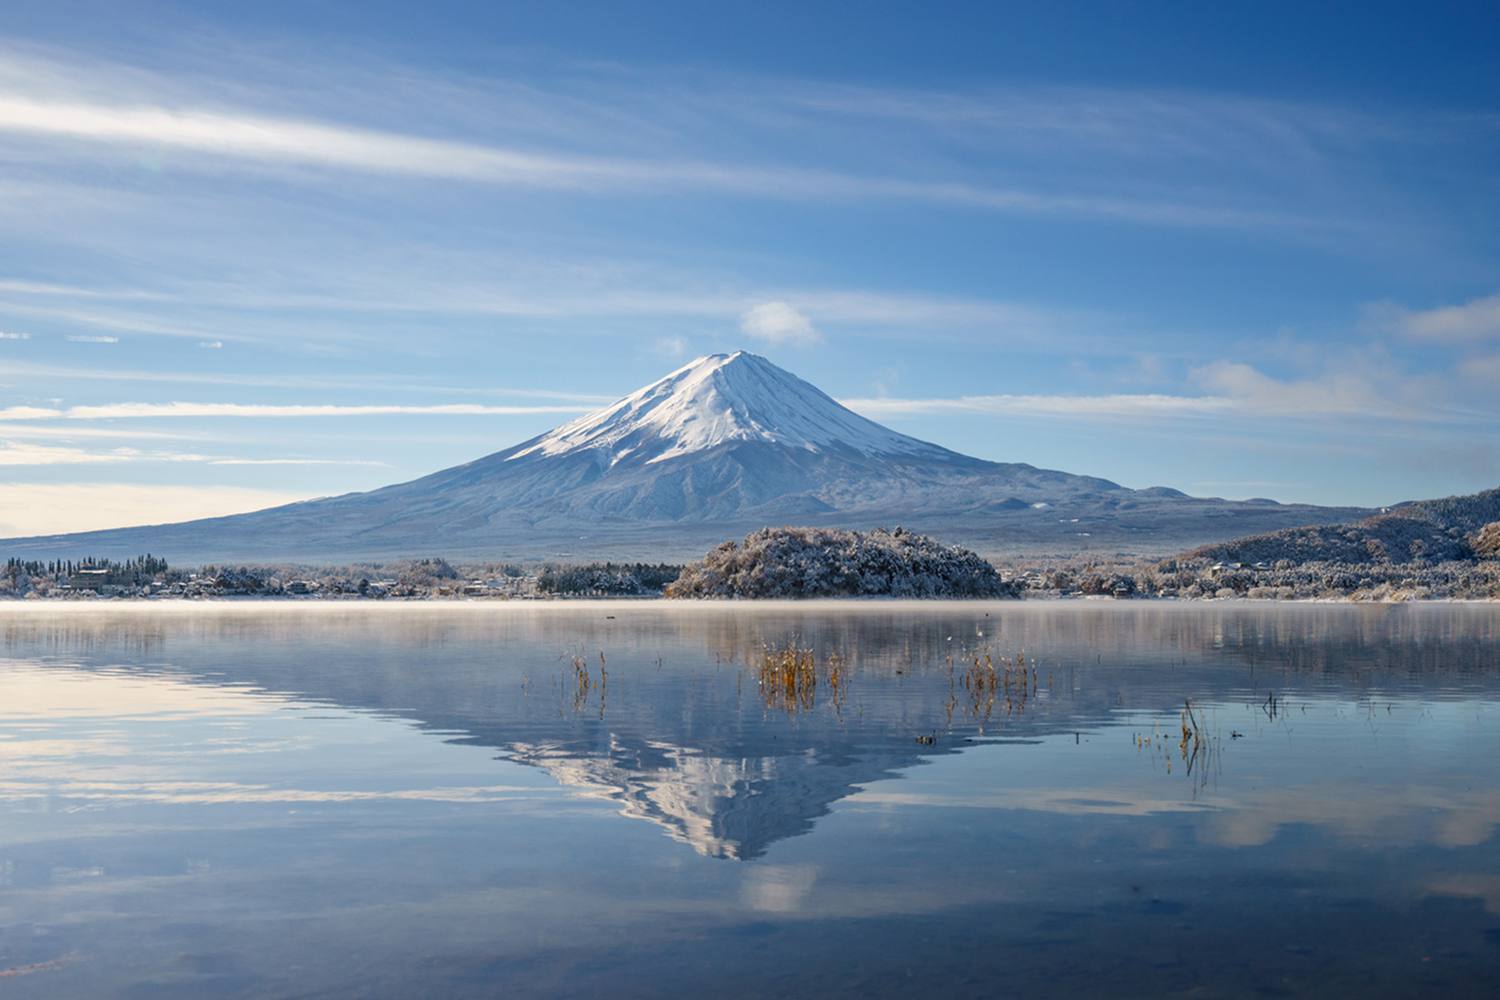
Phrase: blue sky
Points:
(257, 252)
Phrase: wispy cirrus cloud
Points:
(26, 453)
(30, 413)
(117, 411)
(371, 463)
(21, 453)
(104, 319)
(47, 288)
(1232, 389)
(1141, 123)
(289, 380)
(76, 432)
(236, 135)
(1081, 406)
(752, 306)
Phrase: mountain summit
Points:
(722, 445)
(723, 399)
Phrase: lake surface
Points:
(303, 800)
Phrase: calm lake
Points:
(626, 799)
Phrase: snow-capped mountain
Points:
(723, 399)
(722, 445)
(728, 436)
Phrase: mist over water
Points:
(630, 799)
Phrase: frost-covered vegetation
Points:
(824, 562)
(1431, 548)
(607, 579)
(1487, 541)
(1425, 532)
(1365, 581)
(149, 577)
(1447, 548)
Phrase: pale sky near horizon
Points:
(253, 253)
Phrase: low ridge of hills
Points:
(724, 445)
(1421, 531)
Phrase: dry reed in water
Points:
(790, 677)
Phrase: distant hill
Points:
(724, 445)
(1424, 531)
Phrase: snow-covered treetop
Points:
(718, 399)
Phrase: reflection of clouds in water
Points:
(73, 737)
(17, 753)
(1468, 828)
(231, 792)
(29, 692)
(778, 888)
(1390, 815)
(1482, 886)
(1110, 801)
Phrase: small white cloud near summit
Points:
(778, 323)
(671, 347)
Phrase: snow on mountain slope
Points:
(721, 399)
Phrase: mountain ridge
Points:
(722, 445)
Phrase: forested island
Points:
(824, 562)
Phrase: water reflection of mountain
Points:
(672, 726)
(721, 807)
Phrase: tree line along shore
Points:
(1434, 550)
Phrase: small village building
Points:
(89, 578)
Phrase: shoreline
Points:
(250, 601)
